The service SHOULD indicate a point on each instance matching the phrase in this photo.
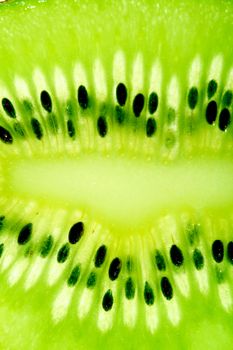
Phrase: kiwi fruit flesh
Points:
(116, 174)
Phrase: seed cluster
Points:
(115, 265)
(139, 102)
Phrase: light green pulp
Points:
(125, 182)
(125, 195)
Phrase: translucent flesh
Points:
(179, 178)
(127, 195)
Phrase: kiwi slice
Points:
(116, 191)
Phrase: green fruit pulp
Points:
(124, 194)
(134, 191)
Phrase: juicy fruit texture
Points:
(116, 174)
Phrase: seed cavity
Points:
(5, 135)
(19, 129)
(82, 97)
(224, 119)
(121, 94)
(91, 281)
(46, 246)
(192, 233)
(159, 261)
(138, 104)
(218, 250)
(211, 112)
(148, 294)
(114, 269)
(76, 232)
(27, 105)
(166, 288)
(120, 114)
(192, 97)
(102, 126)
(53, 124)
(129, 264)
(63, 253)
(150, 127)
(198, 259)
(74, 276)
(37, 129)
(70, 128)
(129, 288)
(230, 252)
(100, 256)
(25, 234)
(227, 98)
(220, 275)
(212, 88)
(46, 101)
(8, 108)
(153, 103)
(69, 108)
(171, 115)
(107, 301)
(176, 255)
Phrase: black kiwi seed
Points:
(129, 288)
(166, 288)
(8, 107)
(224, 119)
(211, 112)
(212, 88)
(74, 276)
(63, 253)
(198, 259)
(46, 101)
(153, 102)
(218, 250)
(159, 261)
(37, 129)
(138, 104)
(176, 255)
(227, 98)
(2, 218)
(82, 97)
(25, 234)
(100, 255)
(230, 252)
(5, 135)
(70, 128)
(91, 281)
(148, 294)
(46, 246)
(193, 97)
(102, 126)
(76, 232)
(1, 249)
(114, 269)
(121, 94)
(150, 127)
(107, 301)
